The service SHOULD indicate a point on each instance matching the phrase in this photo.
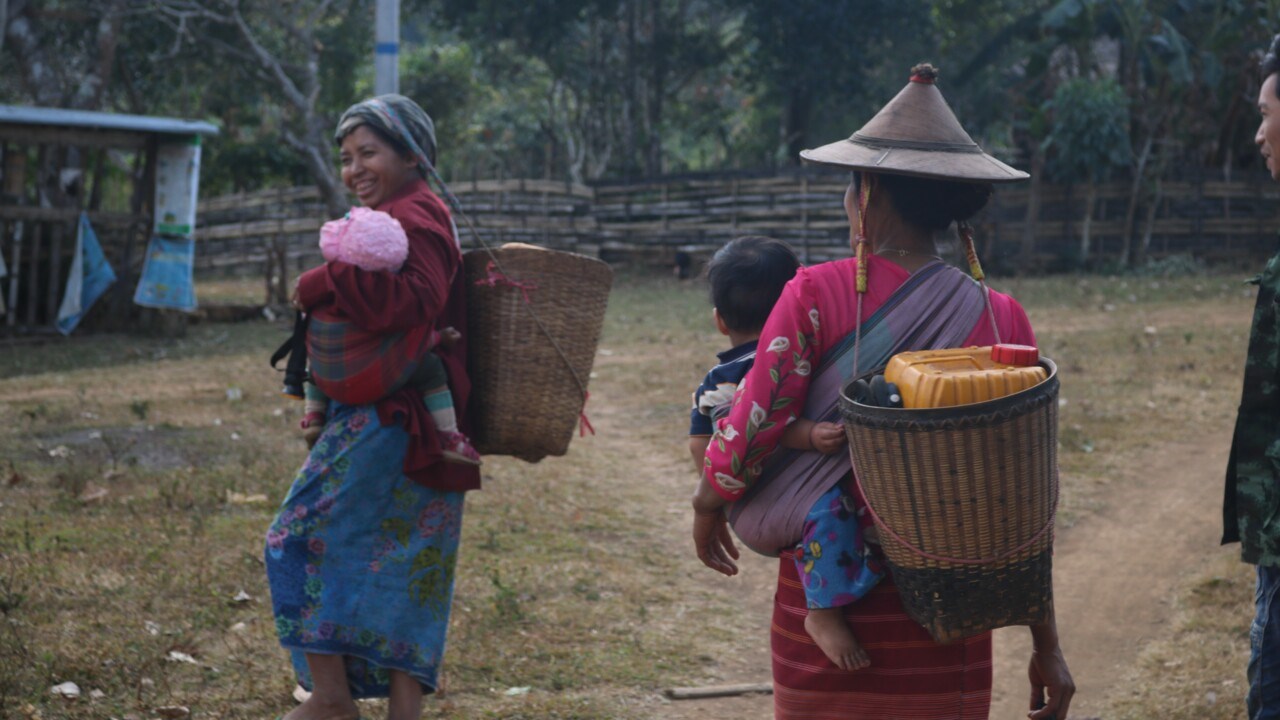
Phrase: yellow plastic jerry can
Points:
(961, 376)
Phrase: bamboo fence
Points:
(649, 222)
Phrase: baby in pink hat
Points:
(368, 239)
(373, 240)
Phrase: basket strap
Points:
(880, 523)
(975, 269)
(860, 251)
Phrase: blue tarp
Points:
(166, 275)
(89, 278)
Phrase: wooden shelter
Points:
(56, 163)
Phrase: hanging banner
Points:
(166, 275)
(177, 187)
(89, 278)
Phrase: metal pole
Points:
(386, 57)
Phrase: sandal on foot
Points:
(458, 449)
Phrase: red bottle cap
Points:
(1016, 355)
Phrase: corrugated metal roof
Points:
(60, 117)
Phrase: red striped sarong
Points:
(911, 677)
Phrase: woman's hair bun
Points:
(933, 203)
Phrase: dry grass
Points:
(575, 579)
(573, 583)
(1197, 672)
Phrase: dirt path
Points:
(1114, 574)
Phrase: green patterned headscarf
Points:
(399, 118)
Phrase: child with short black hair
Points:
(747, 276)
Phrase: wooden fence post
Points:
(734, 205)
(33, 268)
(52, 301)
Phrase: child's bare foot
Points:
(829, 629)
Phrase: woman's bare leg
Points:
(405, 702)
(330, 696)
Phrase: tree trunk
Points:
(88, 95)
(1151, 221)
(1135, 192)
(799, 103)
(1091, 199)
(1157, 172)
(36, 67)
(631, 109)
(4, 21)
(657, 89)
(1032, 217)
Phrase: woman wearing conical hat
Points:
(915, 173)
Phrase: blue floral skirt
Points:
(361, 560)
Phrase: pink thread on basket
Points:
(495, 278)
(584, 425)
(369, 239)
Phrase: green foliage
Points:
(1172, 266)
(588, 89)
(506, 601)
(486, 118)
(140, 408)
(825, 65)
(1090, 136)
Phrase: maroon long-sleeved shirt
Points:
(428, 290)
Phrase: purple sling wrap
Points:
(937, 307)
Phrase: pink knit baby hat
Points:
(368, 239)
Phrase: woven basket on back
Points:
(964, 499)
(533, 323)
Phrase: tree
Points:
(614, 69)
(289, 49)
(63, 59)
(818, 60)
(1089, 140)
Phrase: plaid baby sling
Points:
(356, 366)
(937, 307)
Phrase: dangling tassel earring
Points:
(975, 269)
(860, 252)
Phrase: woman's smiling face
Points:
(371, 168)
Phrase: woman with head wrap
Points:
(361, 556)
(915, 173)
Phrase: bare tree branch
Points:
(270, 63)
(276, 44)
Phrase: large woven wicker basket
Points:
(533, 322)
(964, 501)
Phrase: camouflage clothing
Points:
(1251, 503)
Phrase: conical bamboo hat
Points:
(916, 134)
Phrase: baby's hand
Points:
(827, 437)
(449, 337)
